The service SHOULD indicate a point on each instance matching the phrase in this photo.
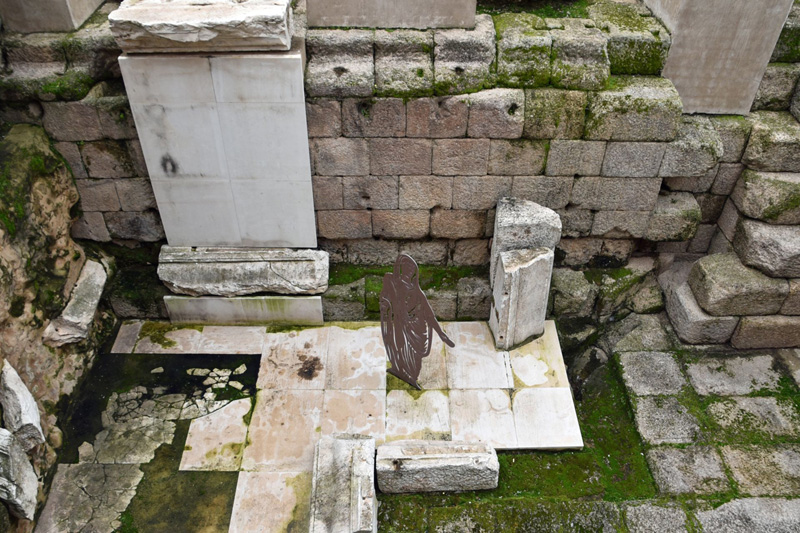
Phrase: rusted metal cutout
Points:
(407, 321)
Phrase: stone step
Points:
(772, 197)
(723, 286)
(343, 495)
(434, 466)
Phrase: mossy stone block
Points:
(579, 58)
(554, 114)
(774, 144)
(523, 50)
(772, 197)
(788, 47)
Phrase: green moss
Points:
(541, 8)
(17, 306)
(430, 277)
(157, 332)
(72, 85)
(790, 199)
(126, 524)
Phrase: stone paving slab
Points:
(752, 515)
(733, 376)
(697, 469)
(483, 416)
(294, 360)
(545, 418)
(765, 470)
(663, 420)
(271, 502)
(474, 363)
(356, 359)
(232, 339)
(184, 340)
(216, 441)
(410, 416)
(540, 362)
(649, 518)
(283, 431)
(355, 412)
(127, 336)
(764, 415)
(651, 373)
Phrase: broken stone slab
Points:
(20, 412)
(521, 288)
(579, 57)
(19, 485)
(392, 13)
(403, 63)
(691, 323)
(723, 286)
(637, 42)
(343, 488)
(242, 271)
(774, 250)
(522, 224)
(774, 331)
(774, 144)
(341, 63)
(433, 466)
(772, 197)
(675, 218)
(635, 109)
(463, 59)
(209, 26)
(523, 50)
(76, 318)
(695, 150)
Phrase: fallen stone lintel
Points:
(343, 488)
(242, 271)
(432, 466)
(76, 318)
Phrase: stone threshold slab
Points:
(158, 26)
(296, 310)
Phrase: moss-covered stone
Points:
(675, 218)
(787, 48)
(774, 144)
(523, 50)
(41, 83)
(769, 196)
(579, 57)
(554, 114)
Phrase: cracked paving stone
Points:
(131, 442)
(88, 497)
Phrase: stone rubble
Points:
(19, 485)
(75, 320)
(20, 411)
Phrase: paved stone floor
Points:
(690, 439)
(311, 382)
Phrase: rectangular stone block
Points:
(135, 194)
(324, 118)
(496, 114)
(98, 195)
(465, 157)
(344, 224)
(696, 149)
(340, 157)
(579, 57)
(523, 50)
(372, 252)
(463, 59)
(341, 63)
(216, 26)
(328, 193)
(403, 63)
(343, 488)
(391, 157)
(549, 191)
(616, 194)
(727, 176)
(633, 160)
(479, 192)
(774, 144)
(792, 304)
(27, 16)
(392, 14)
(75, 320)
(437, 118)
(432, 466)
(457, 224)
(425, 192)
(777, 87)
(292, 310)
(635, 109)
(570, 158)
(520, 292)
(675, 218)
(776, 331)
(241, 271)
(734, 132)
(520, 157)
(370, 192)
(620, 224)
(554, 114)
(382, 117)
(401, 224)
(471, 252)
(771, 197)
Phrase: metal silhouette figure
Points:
(407, 321)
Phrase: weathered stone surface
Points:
(521, 224)
(218, 26)
(691, 323)
(142, 226)
(617, 194)
(521, 287)
(459, 157)
(664, 420)
(391, 14)
(774, 250)
(135, 194)
(236, 272)
(554, 114)
(71, 121)
(370, 192)
(341, 63)
(570, 158)
(340, 157)
(729, 220)
(552, 192)
(324, 118)
(474, 298)
(650, 518)
(89, 497)
(766, 470)
(794, 107)
(437, 118)
(752, 515)
(381, 117)
(75, 320)
(463, 58)
(344, 302)
(787, 49)
(735, 376)
(695, 150)
(694, 470)
(573, 294)
(711, 206)
(18, 482)
(396, 224)
(633, 160)
(734, 131)
(675, 218)
(518, 157)
(723, 286)
(637, 43)
(777, 87)
(305, 310)
(496, 113)
(637, 109)
(523, 50)
(579, 57)
(479, 192)
(772, 197)
(651, 373)
(20, 412)
(107, 159)
(727, 177)
(403, 63)
(457, 224)
(774, 331)
(620, 224)
(762, 415)
(431, 466)
(425, 192)
(345, 224)
(774, 144)
(792, 304)
(343, 489)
